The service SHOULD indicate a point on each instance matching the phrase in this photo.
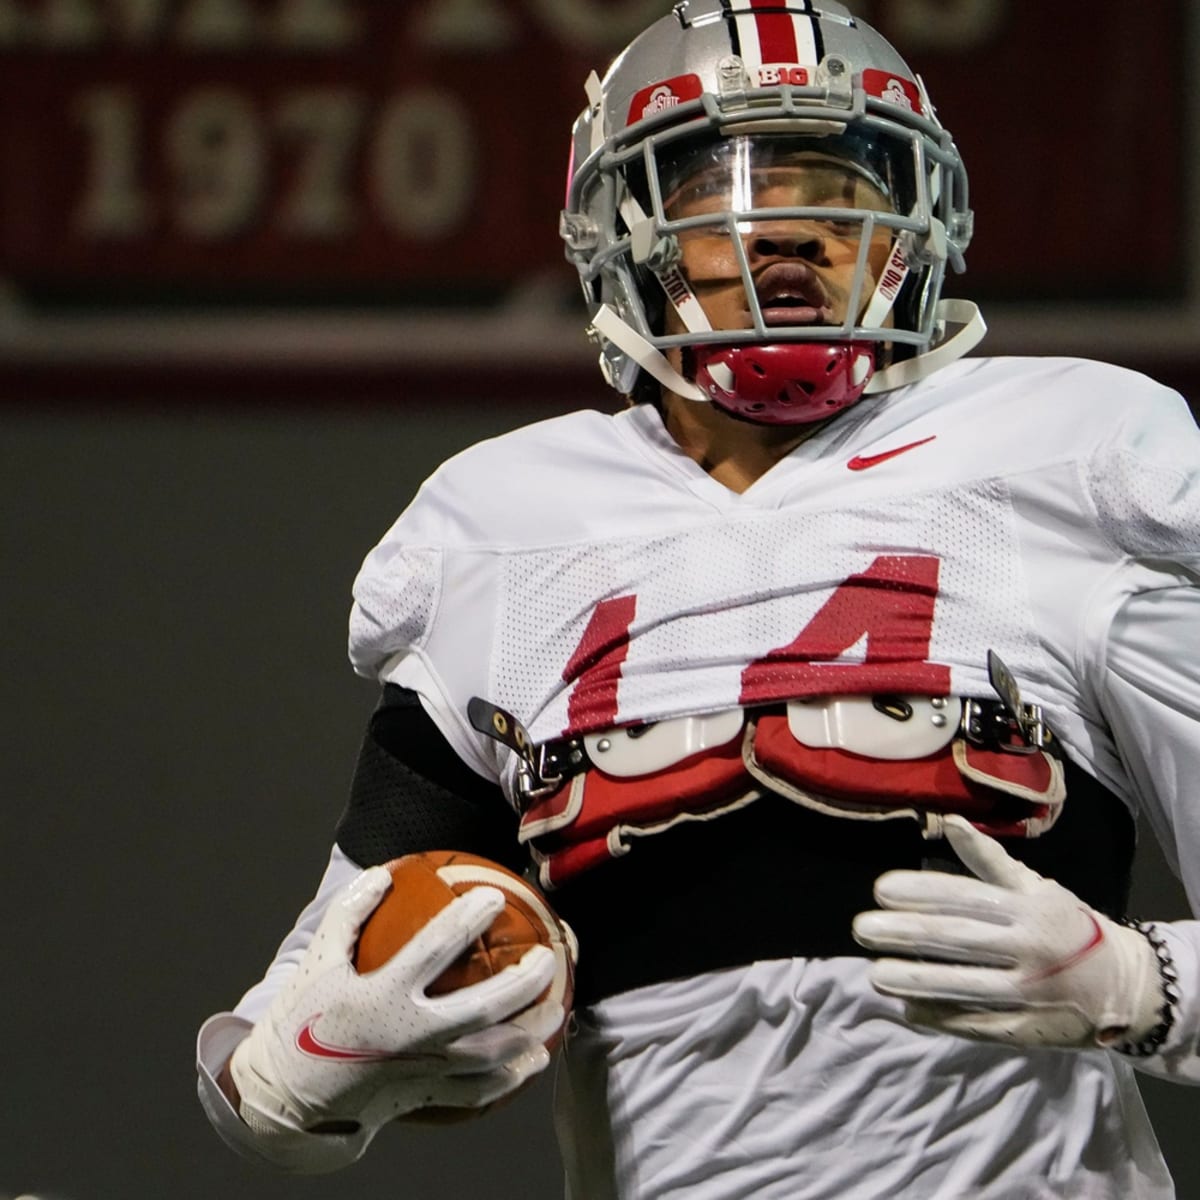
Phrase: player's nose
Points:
(793, 240)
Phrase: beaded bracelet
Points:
(1169, 979)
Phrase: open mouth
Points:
(792, 294)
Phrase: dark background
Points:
(189, 488)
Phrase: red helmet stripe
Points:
(776, 32)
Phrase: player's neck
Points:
(735, 453)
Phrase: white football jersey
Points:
(584, 573)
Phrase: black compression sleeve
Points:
(411, 792)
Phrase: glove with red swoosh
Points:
(343, 1053)
(1015, 957)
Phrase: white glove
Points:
(1018, 958)
(340, 1052)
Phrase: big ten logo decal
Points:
(885, 614)
(779, 75)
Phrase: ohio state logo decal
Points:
(663, 96)
(903, 93)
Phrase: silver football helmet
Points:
(731, 125)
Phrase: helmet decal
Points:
(659, 97)
(903, 92)
(766, 32)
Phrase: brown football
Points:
(422, 885)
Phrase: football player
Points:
(820, 687)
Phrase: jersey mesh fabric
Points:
(809, 1075)
(1147, 508)
(714, 596)
(397, 601)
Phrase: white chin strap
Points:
(964, 313)
(647, 356)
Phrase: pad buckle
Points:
(541, 768)
(1008, 724)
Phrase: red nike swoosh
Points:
(308, 1043)
(1093, 943)
(860, 462)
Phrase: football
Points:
(423, 884)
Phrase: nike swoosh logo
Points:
(308, 1043)
(1093, 943)
(860, 462)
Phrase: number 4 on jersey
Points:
(889, 607)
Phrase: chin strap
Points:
(645, 354)
(949, 312)
(964, 313)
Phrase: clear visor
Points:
(749, 172)
(833, 202)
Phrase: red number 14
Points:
(889, 606)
